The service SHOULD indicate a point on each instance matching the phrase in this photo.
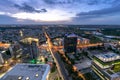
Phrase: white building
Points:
(28, 72)
(1, 60)
(107, 66)
(2, 57)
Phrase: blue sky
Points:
(59, 11)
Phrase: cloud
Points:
(88, 2)
(28, 8)
(99, 16)
(58, 10)
(97, 2)
(4, 19)
(59, 1)
(106, 11)
(2, 13)
(54, 15)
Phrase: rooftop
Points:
(71, 35)
(27, 72)
(29, 40)
(108, 57)
(112, 74)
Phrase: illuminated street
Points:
(60, 65)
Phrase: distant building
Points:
(28, 72)
(21, 33)
(34, 50)
(97, 33)
(70, 43)
(89, 29)
(107, 66)
(81, 40)
(58, 42)
(29, 40)
(4, 45)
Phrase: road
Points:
(79, 46)
(57, 59)
(60, 66)
(54, 75)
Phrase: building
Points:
(4, 56)
(28, 72)
(107, 66)
(1, 60)
(32, 46)
(21, 33)
(16, 50)
(4, 45)
(70, 43)
(83, 41)
(5, 53)
(58, 42)
(34, 50)
(29, 40)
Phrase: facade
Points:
(28, 72)
(16, 50)
(4, 56)
(5, 53)
(107, 66)
(32, 46)
(83, 41)
(34, 50)
(70, 43)
(58, 42)
(1, 60)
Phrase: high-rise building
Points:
(16, 50)
(28, 72)
(70, 43)
(34, 50)
(107, 66)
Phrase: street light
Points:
(119, 42)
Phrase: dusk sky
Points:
(59, 11)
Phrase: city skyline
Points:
(59, 12)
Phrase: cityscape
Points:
(59, 40)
